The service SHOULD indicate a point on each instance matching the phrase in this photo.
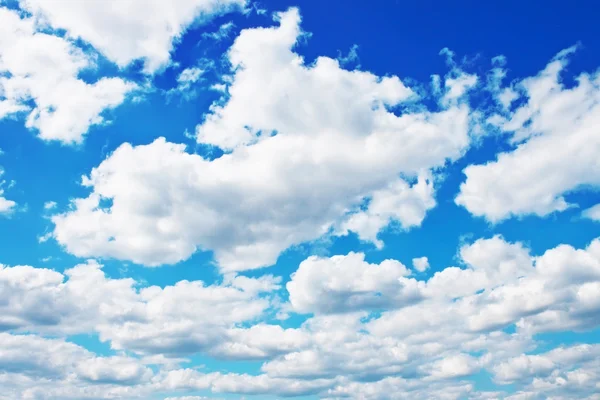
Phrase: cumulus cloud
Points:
(398, 202)
(151, 320)
(554, 130)
(39, 77)
(306, 146)
(552, 292)
(369, 336)
(50, 205)
(6, 206)
(592, 213)
(460, 312)
(129, 30)
(32, 367)
(420, 264)
(562, 372)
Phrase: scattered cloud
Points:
(369, 332)
(535, 176)
(125, 31)
(312, 165)
(592, 213)
(39, 78)
(420, 264)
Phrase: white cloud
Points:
(128, 30)
(185, 82)
(348, 283)
(421, 264)
(6, 206)
(404, 350)
(222, 33)
(399, 202)
(398, 388)
(552, 292)
(43, 69)
(181, 319)
(563, 372)
(190, 398)
(50, 205)
(556, 139)
(261, 341)
(436, 339)
(32, 367)
(189, 379)
(454, 366)
(592, 213)
(337, 144)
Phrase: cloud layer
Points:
(424, 338)
(299, 165)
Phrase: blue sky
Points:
(226, 199)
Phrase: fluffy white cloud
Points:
(337, 143)
(32, 367)
(128, 30)
(560, 373)
(261, 341)
(552, 292)
(190, 398)
(185, 81)
(348, 283)
(555, 131)
(50, 205)
(398, 388)
(39, 76)
(6, 206)
(592, 213)
(420, 264)
(172, 322)
(181, 319)
(404, 349)
(455, 329)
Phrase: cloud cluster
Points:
(6, 205)
(129, 30)
(374, 330)
(554, 131)
(301, 161)
(41, 69)
(39, 76)
(309, 149)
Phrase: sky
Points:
(227, 199)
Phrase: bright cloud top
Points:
(43, 69)
(421, 331)
(271, 191)
(555, 131)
